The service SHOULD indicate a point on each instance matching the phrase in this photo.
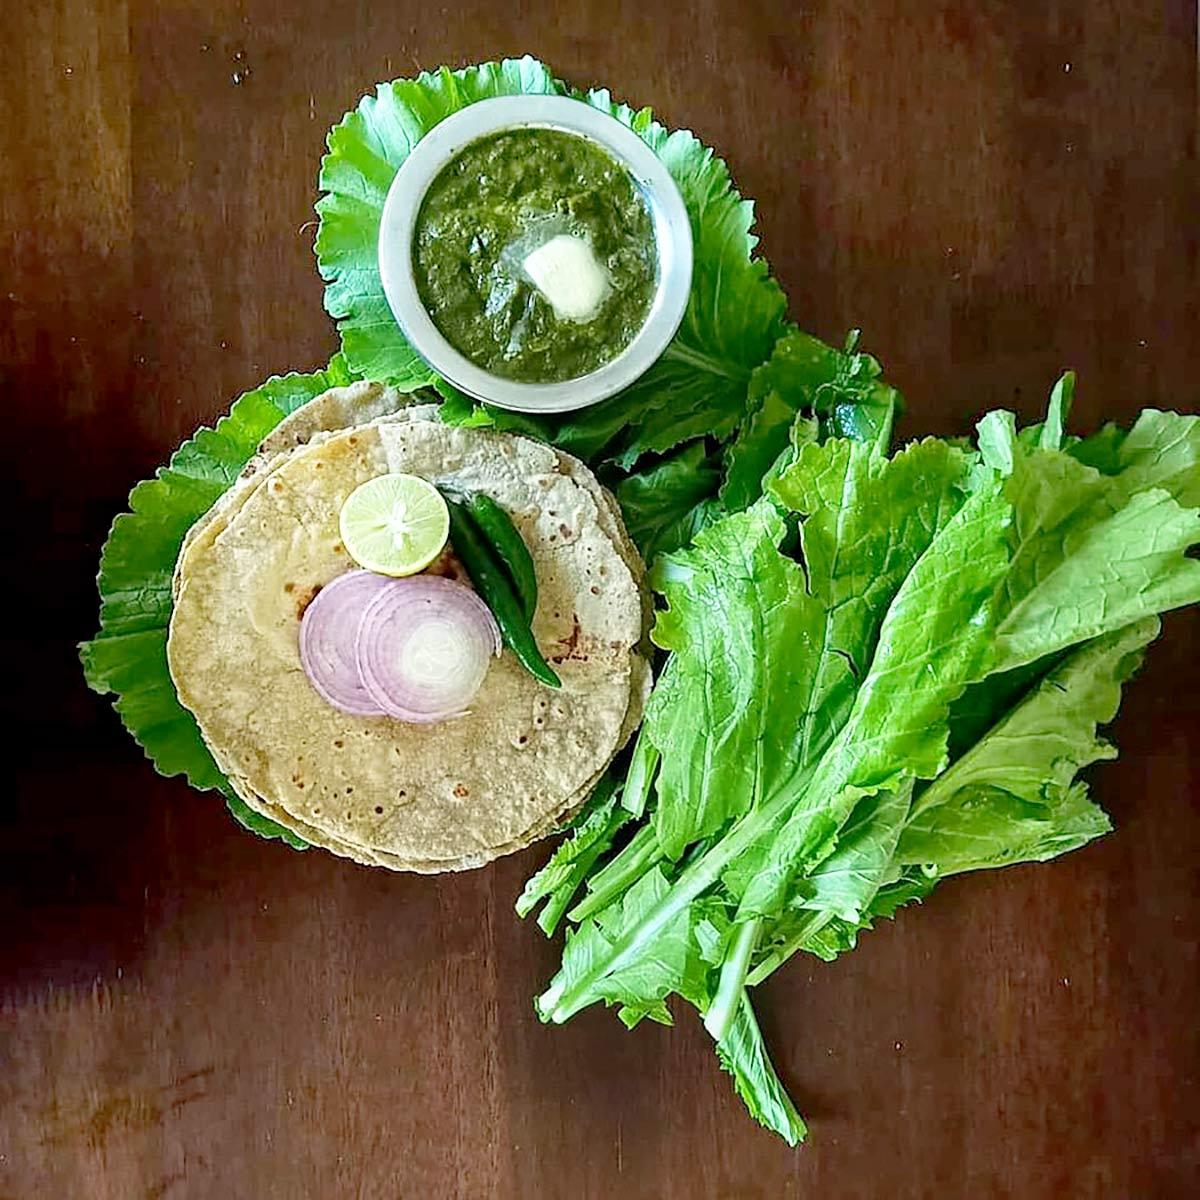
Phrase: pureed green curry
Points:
(534, 254)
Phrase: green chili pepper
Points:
(498, 594)
(496, 525)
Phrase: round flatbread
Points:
(420, 797)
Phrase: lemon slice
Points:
(395, 524)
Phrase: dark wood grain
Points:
(993, 191)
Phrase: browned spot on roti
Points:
(460, 791)
(289, 587)
(448, 565)
(569, 643)
(306, 598)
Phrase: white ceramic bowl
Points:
(672, 234)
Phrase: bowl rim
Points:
(672, 235)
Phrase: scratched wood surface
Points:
(993, 191)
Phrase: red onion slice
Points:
(424, 646)
(329, 637)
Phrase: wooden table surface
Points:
(993, 191)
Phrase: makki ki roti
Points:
(453, 794)
(338, 409)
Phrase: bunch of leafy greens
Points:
(720, 401)
(888, 670)
(128, 656)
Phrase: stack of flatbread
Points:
(380, 791)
